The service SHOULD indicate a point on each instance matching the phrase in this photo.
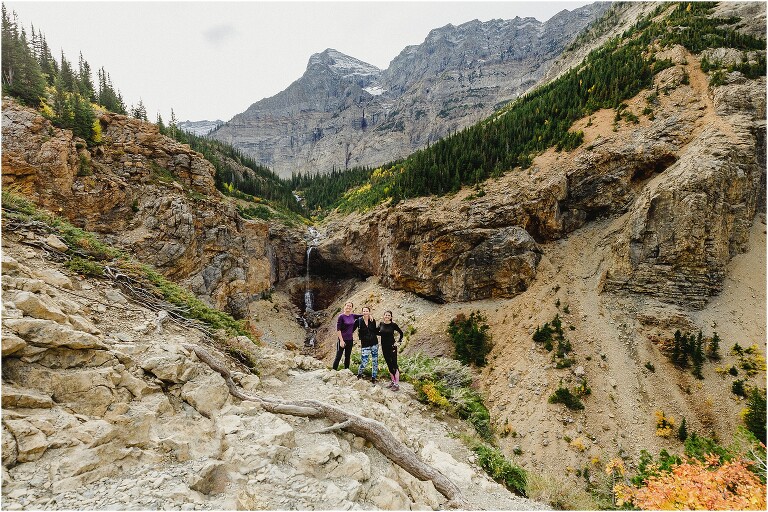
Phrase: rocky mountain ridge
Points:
(199, 128)
(637, 233)
(334, 117)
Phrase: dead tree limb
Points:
(374, 431)
(335, 426)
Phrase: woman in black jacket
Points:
(387, 330)
(366, 330)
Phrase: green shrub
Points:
(84, 166)
(564, 396)
(737, 388)
(469, 406)
(446, 383)
(501, 469)
(471, 338)
(699, 447)
(647, 467)
(754, 414)
(255, 212)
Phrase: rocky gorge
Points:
(153, 197)
(104, 406)
(646, 228)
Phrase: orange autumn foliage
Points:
(697, 485)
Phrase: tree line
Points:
(256, 181)
(64, 93)
(68, 96)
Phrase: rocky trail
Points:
(104, 410)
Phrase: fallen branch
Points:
(374, 431)
(336, 426)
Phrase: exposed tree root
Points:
(375, 432)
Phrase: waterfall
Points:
(309, 297)
(309, 314)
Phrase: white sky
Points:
(212, 60)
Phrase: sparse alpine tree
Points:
(85, 80)
(698, 356)
(172, 125)
(139, 111)
(713, 350)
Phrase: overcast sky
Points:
(212, 60)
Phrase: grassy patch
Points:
(501, 469)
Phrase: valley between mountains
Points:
(587, 262)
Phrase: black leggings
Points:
(390, 356)
(346, 350)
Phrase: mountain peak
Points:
(341, 64)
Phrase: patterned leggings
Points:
(373, 353)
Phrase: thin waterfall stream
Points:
(309, 296)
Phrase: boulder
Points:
(39, 306)
(457, 471)
(213, 479)
(19, 397)
(31, 443)
(49, 334)
(12, 344)
(386, 494)
(207, 393)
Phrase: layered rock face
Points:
(343, 112)
(432, 253)
(149, 195)
(105, 407)
(683, 229)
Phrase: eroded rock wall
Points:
(151, 196)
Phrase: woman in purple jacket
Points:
(345, 328)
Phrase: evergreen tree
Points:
(107, 97)
(754, 415)
(21, 73)
(682, 432)
(82, 117)
(159, 123)
(61, 108)
(172, 124)
(698, 356)
(139, 111)
(48, 64)
(85, 80)
(713, 350)
(67, 75)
